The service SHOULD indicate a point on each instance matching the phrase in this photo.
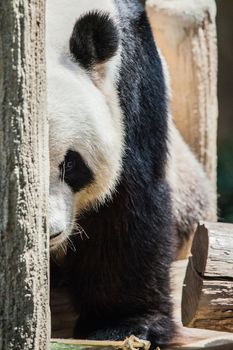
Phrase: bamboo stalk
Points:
(131, 343)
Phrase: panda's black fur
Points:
(78, 175)
(118, 279)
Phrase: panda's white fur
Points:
(84, 115)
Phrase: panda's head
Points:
(85, 122)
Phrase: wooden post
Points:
(208, 286)
(185, 32)
(24, 252)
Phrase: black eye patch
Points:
(75, 172)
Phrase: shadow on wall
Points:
(225, 94)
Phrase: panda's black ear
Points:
(94, 40)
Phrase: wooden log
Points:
(208, 287)
(188, 339)
(185, 32)
(24, 178)
(197, 339)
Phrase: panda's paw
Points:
(161, 331)
(117, 332)
(158, 330)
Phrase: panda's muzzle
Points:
(55, 235)
(56, 240)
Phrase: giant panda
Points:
(120, 174)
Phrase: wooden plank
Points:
(208, 287)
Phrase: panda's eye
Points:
(69, 166)
(75, 172)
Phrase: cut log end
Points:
(208, 287)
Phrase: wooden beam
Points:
(185, 32)
(208, 286)
(197, 339)
(24, 177)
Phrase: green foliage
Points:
(225, 180)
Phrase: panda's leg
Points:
(156, 328)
